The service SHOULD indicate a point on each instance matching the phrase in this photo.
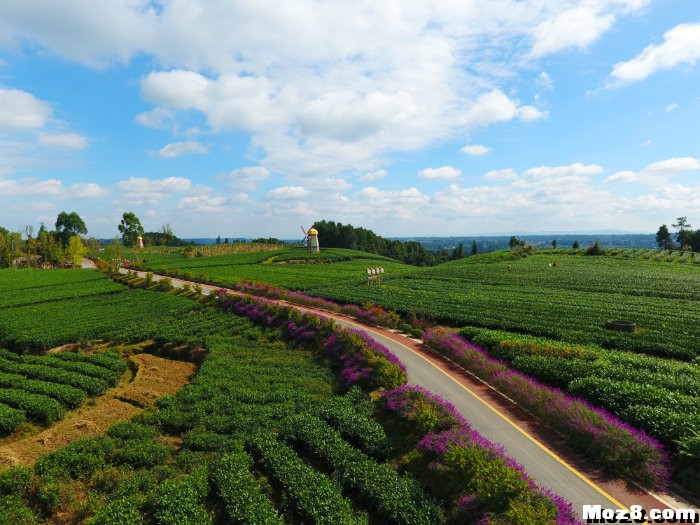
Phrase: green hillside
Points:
(561, 294)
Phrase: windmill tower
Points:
(312, 240)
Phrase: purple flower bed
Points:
(597, 433)
(463, 460)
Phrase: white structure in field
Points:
(312, 240)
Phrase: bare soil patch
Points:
(155, 377)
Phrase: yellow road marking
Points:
(514, 425)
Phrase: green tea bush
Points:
(140, 453)
(79, 459)
(181, 500)
(10, 419)
(361, 431)
(618, 395)
(308, 495)
(38, 407)
(240, 491)
(393, 498)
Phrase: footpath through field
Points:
(539, 450)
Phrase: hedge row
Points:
(181, 500)
(38, 407)
(306, 493)
(70, 397)
(392, 498)
(239, 489)
(479, 482)
(10, 419)
(358, 429)
(598, 434)
(80, 366)
(91, 385)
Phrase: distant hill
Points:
(489, 243)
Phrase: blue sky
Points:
(247, 119)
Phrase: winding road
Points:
(551, 463)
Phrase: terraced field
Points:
(560, 294)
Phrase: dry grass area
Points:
(154, 377)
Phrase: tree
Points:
(576, 245)
(458, 252)
(475, 248)
(76, 250)
(683, 231)
(218, 240)
(514, 242)
(130, 228)
(663, 237)
(167, 236)
(69, 224)
(554, 244)
(226, 240)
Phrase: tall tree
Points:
(130, 228)
(475, 248)
(554, 244)
(683, 231)
(663, 237)
(69, 224)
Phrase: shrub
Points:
(394, 499)
(307, 494)
(241, 492)
(180, 500)
(10, 419)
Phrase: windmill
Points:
(311, 239)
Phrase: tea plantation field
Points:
(560, 294)
(266, 432)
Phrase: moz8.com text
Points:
(637, 514)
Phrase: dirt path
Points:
(154, 377)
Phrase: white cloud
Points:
(176, 149)
(373, 176)
(575, 169)
(501, 175)
(578, 27)
(658, 173)
(246, 178)
(681, 45)
(63, 140)
(140, 190)
(672, 107)
(476, 150)
(20, 111)
(441, 173)
(288, 193)
(88, 190)
(157, 118)
(496, 106)
(30, 186)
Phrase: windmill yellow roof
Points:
(313, 231)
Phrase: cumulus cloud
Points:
(30, 186)
(63, 140)
(288, 193)
(441, 173)
(658, 173)
(176, 149)
(246, 178)
(476, 150)
(496, 106)
(575, 169)
(20, 111)
(89, 190)
(681, 46)
(141, 190)
(372, 176)
(501, 175)
(578, 27)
